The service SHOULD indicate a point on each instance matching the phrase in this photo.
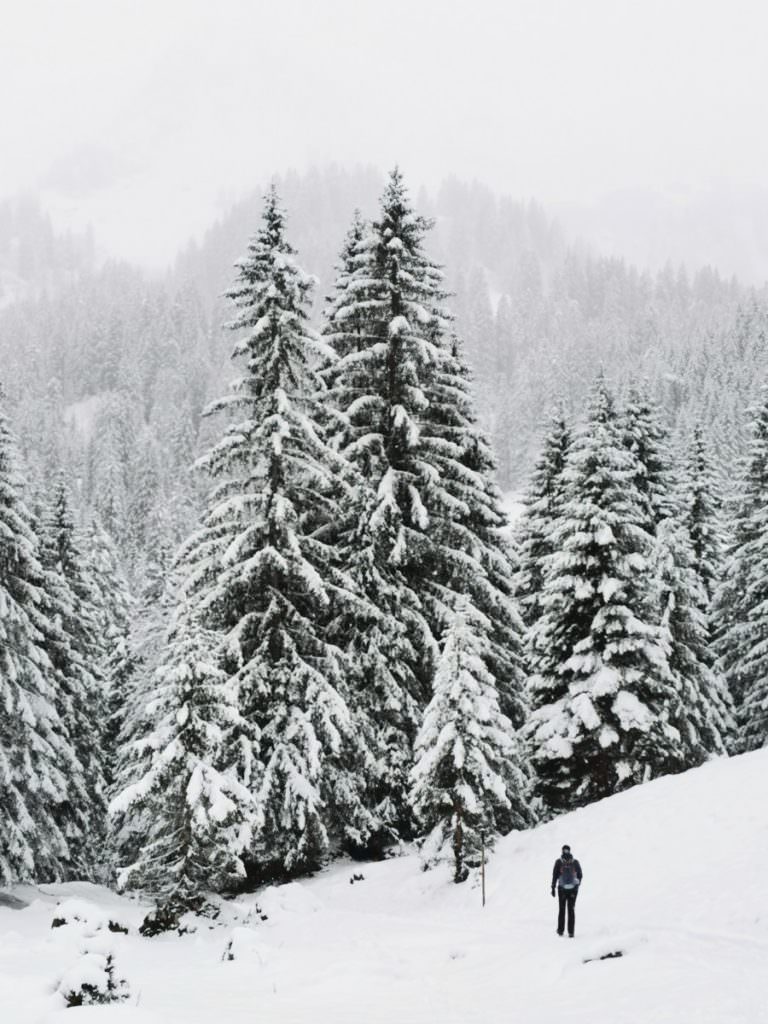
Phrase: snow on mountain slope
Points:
(673, 879)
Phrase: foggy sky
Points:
(146, 117)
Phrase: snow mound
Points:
(293, 898)
(11, 902)
(245, 944)
(87, 917)
(79, 912)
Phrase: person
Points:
(566, 875)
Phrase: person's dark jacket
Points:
(558, 869)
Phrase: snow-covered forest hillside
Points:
(671, 926)
(251, 627)
(538, 313)
(33, 256)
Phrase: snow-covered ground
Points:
(674, 878)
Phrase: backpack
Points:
(568, 878)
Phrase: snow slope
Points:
(674, 878)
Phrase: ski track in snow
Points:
(672, 878)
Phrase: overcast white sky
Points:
(142, 114)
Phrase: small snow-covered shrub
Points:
(291, 898)
(92, 981)
(170, 919)
(87, 915)
(157, 921)
(79, 912)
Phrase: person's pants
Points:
(566, 898)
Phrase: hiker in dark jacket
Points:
(566, 875)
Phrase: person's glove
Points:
(553, 890)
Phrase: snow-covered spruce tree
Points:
(91, 647)
(465, 754)
(383, 631)
(93, 981)
(752, 717)
(543, 507)
(196, 816)
(35, 758)
(67, 676)
(380, 386)
(133, 681)
(112, 596)
(365, 621)
(703, 716)
(426, 523)
(72, 642)
(742, 552)
(109, 450)
(602, 693)
(648, 441)
(116, 615)
(741, 602)
(467, 549)
(702, 502)
(259, 571)
(345, 320)
(138, 652)
(119, 668)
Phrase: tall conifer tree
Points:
(427, 522)
(742, 599)
(195, 816)
(465, 753)
(466, 543)
(702, 715)
(603, 694)
(260, 573)
(543, 507)
(75, 650)
(702, 504)
(35, 757)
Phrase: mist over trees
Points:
(538, 317)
